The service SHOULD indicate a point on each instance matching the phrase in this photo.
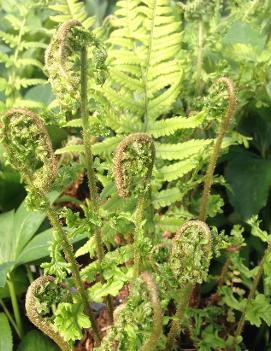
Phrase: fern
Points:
(142, 58)
(21, 54)
(71, 10)
(166, 197)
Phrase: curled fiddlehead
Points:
(152, 288)
(133, 165)
(29, 148)
(232, 103)
(189, 261)
(36, 318)
(63, 62)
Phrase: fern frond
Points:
(166, 197)
(71, 9)
(146, 38)
(171, 125)
(181, 151)
(177, 169)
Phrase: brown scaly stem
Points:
(183, 251)
(150, 344)
(69, 255)
(251, 296)
(175, 329)
(122, 183)
(90, 167)
(40, 322)
(221, 133)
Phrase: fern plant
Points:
(22, 42)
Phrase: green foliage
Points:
(6, 335)
(35, 340)
(70, 320)
(20, 245)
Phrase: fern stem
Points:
(90, 167)
(251, 296)
(145, 74)
(69, 255)
(175, 329)
(150, 344)
(199, 58)
(139, 214)
(42, 323)
(15, 306)
(213, 159)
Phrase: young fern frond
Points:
(189, 261)
(29, 148)
(133, 165)
(224, 126)
(151, 286)
(39, 321)
(142, 58)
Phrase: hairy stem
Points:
(10, 318)
(90, 166)
(42, 322)
(199, 58)
(15, 307)
(139, 214)
(214, 156)
(175, 328)
(152, 288)
(251, 296)
(69, 255)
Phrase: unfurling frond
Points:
(29, 148)
(39, 321)
(62, 62)
(133, 164)
(157, 329)
(191, 252)
(224, 126)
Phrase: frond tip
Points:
(133, 164)
(40, 322)
(191, 252)
(29, 148)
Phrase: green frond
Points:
(181, 151)
(70, 149)
(166, 197)
(142, 58)
(71, 9)
(107, 146)
(171, 125)
(177, 169)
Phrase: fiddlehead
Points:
(189, 261)
(35, 317)
(152, 288)
(232, 103)
(133, 164)
(62, 62)
(29, 148)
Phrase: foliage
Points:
(146, 87)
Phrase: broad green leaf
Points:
(259, 309)
(36, 341)
(5, 268)
(5, 334)
(249, 178)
